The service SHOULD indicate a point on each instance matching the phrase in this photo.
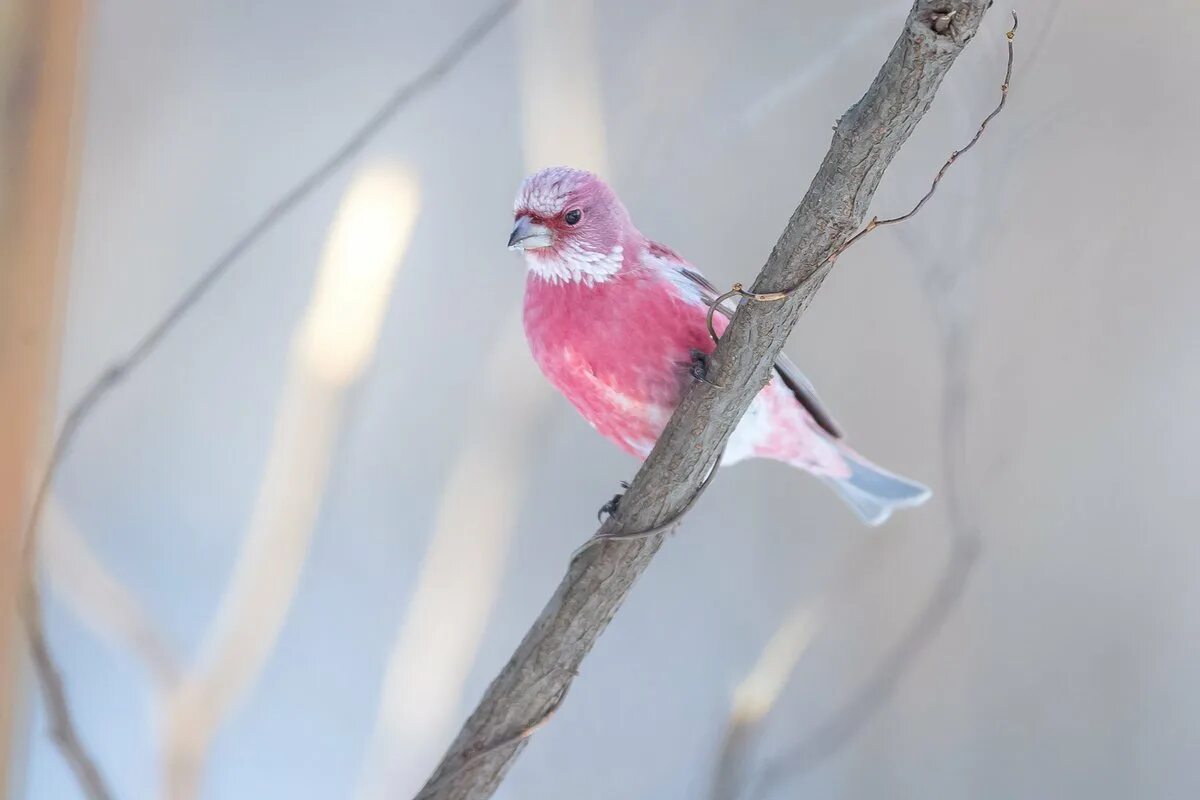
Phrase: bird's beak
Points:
(528, 235)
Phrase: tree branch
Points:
(535, 680)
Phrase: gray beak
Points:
(528, 235)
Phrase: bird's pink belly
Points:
(629, 404)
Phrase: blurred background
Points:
(287, 555)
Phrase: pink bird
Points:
(617, 323)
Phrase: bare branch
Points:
(537, 677)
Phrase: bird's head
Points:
(570, 226)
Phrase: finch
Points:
(617, 323)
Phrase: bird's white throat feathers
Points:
(570, 263)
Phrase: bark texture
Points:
(866, 139)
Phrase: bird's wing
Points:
(789, 373)
(806, 393)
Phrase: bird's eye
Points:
(573, 216)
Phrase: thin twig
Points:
(665, 527)
(506, 741)
(54, 694)
(49, 676)
(875, 222)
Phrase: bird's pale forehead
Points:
(546, 193)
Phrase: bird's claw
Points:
(611, 506)
(699, 368)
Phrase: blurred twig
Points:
(41, 76)
(102, 601)
(965, 544)
(757, 694)
(461, 574)
(965, 548)
(49, 676)
(334, 343)
(829, 737)
(536, 679)
(780, 93)
(255, 602)
(460, 577)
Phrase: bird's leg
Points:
(699, 368)
(611, 506)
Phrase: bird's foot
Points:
(611, 506)
(699, 368)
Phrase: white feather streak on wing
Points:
(620, 410)
(686, 288)
(687, 280)
(635, 410)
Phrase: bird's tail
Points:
(873, 492)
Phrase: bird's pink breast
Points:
(619, 350)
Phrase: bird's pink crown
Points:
(545, 193)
